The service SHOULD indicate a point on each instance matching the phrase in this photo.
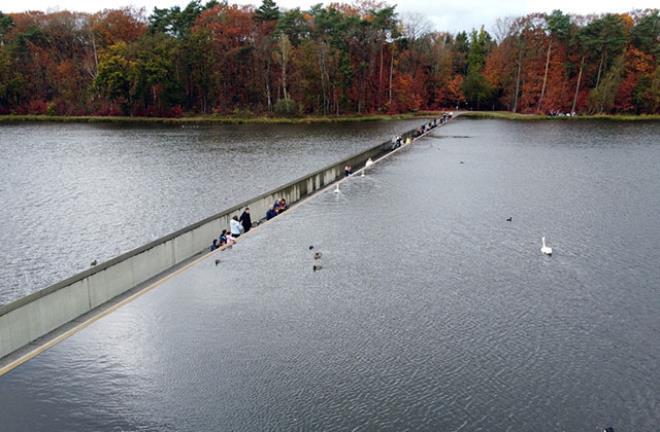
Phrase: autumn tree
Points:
(557, 28)
(117, 76)
(217, 57)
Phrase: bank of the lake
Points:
(311, 119)
(217, 119)
(506, 115)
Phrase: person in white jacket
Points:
(235, 227)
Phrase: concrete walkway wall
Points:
(35, 315)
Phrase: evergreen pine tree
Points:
(268, 11)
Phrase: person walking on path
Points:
(246, 220)
(235, 227)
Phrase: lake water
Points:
(73, 193)
(431, 311)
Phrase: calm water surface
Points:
(74, 193)
(431, 312)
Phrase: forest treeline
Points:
(337, 59)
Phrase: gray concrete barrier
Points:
(37, 314)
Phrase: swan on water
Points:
(362, 175)
(337, 188)
(545, 249)
(368, 163)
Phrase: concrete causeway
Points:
(38, 321)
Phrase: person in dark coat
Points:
(246, 219)
(272, 212)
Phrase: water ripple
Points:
(432, 312)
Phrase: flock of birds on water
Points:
(546, 250)
(316, 255)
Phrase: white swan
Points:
(368, 163)
(362, 175)
(545, 249)
(337, 188)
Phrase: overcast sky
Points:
(444, 15)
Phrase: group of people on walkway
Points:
(277, 208)
(557, 113)
(239, 225)
(396, 142)
(433, 123)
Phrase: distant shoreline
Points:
(216, 119)
(505, 115)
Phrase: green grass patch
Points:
(213, 119)
(505, 115)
